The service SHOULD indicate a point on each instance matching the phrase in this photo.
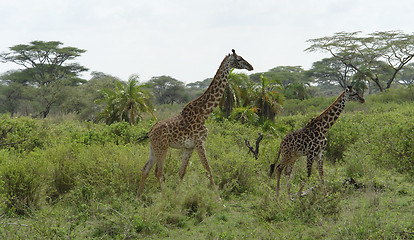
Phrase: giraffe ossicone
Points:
(310, 141)
(187, 130)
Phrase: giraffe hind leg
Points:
(279, 169)
(145, 170)
(288, 173)
(159, 167)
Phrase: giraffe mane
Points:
(326, 110)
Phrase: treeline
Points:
(50, 83)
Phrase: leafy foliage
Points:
(126, 103)
(46, 71)
(168, 90)
(378, 57)
(81, 180)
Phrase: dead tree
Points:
(254, 151)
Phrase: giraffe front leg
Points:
(203, 158)
(186, 158)
(187, 155)
(309, 163)
(320, 167)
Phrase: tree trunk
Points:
(377, 82)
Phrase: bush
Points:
(79, 180)
(344, 133)
(387, 140)
(311, 105)
(21, 183)
(393, 95)
(22, 134)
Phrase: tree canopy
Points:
(46, 69)
(48, 80)
(168, 90)
(377, 57)
(126, 102)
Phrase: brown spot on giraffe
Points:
(310, 141)
(187, 130)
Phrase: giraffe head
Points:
(238, 62)
(353, 95)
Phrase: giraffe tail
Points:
(273, 165)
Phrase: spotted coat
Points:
(310, 141)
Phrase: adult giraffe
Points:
(310, 141)
(187, 130)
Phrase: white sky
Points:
(187, 39)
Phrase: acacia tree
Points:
(46, 67)
(294, 80)
(371, 55)
(331, 71)
(406, 75)
(168, 90)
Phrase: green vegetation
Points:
(126, 103)
(377, 58)
(67, 174)
(61, 178)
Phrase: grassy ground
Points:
(78, 180)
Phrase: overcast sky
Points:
(188, 39)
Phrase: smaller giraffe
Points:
(187, 130)
(310, 141)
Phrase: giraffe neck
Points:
(328, 117)
(206, 103)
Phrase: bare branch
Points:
(255, 151)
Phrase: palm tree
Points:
(268, 99)
(126, 102)
(234, 92)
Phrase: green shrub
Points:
(344, 133)
(244, 115)
(388, 140)
(308, 209)
(307, 106)
(21, 179)
(22, 134)
(62, 159)
(393, 95)
(90, 173)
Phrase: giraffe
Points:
(187, 130)
(310, 141)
